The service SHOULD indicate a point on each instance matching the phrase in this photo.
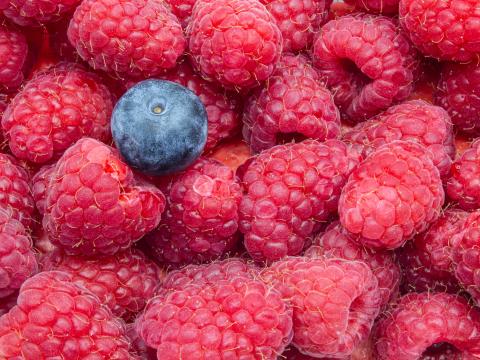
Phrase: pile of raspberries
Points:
(334, 212)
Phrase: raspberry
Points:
(134, 39)
(223, 108)
(362, 352)
(138, 345)
(443, 29)
(336, 242)
(290, 189)
(334, 302)
(201, 218)
(13, 56)
(236, 42)
(368, 64)
(421, 320)
(231, 319)
(54, 110)
(388, 7)
(458, 92)
(17, 259)
(7, 303)
(292, 101)
(391, 196)
(182, 9)
(56, 318)
(463, 187)
(414, 120)
(94, 205)
(123, 282)
(36, 12)
(40, 184)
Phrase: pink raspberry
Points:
(36, 12)
(94, 204)
(40, 185)
(336, 242)
(367, 63)
(235, 42)
(387, 7)
(443, 29)
(292, 102)
(56, 318)
(414, 120)
(137, 39)
(13, 56)
(421, 320)
(201, 218)
(54, 110)
(392, 195)
(334, 302)
(290, 189)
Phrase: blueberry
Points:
(160, 127)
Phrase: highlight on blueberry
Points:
(159, 127)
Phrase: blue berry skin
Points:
(159, 127)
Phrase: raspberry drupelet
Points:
(40, 185)
(13, 56)
(37, 12)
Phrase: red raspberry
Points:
(290, 190)
(367, 63)
(94, 205)
(223, 108)
(457, 93)
(13, 56)
(336, 242)
(56, 318)
(391, 196)
(36, 12)
(291, 102)
(54, 110)
(182, 9)
(421, 320)
(236, 42)
(388, 7)
(201, 218)
(334, 302)
(40, 185)
(414, 120)
(362, 352)
(134, 39)
(444, 29)
(138, 345)
(233, 319)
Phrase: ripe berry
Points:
(13, 56)
(40, 186)
(36, 12)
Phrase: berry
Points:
(367, 63)
(138, 345)
(149, 116)
(336, 242)
(235, 42)
(56, 318)
(36, 12)
(443, 29)
(54, 110)
(234, 153)
(137, 39)
(13, 56)
(94, 204)
(233, 319)
(334, 302)
(414, 120)
(421, 320)
(200, 222)
(391, 196)
(289, 190)
(182, 9)
(40, 185)
(458, 92)
(388, 7)
(7, 303)
(291, 102)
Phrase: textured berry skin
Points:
(200, 222)
(94, 205)
(336, 242)
(414, 120)
(127, 39)
(124, 282)
(223, 108)
(54, 110)
(40, 184)
(289, 190)
(420, 320)
(138, 345)
(56, 318)
(232, 319)
(17, 259)
(182, 9)
(463, 187)
(334, 302)
(292, 101)
(443, 29)
(391, 196)
(13, 55)
(36, 12)
(235, 42)
(387, 7)
(458, 92)
(366, 62)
